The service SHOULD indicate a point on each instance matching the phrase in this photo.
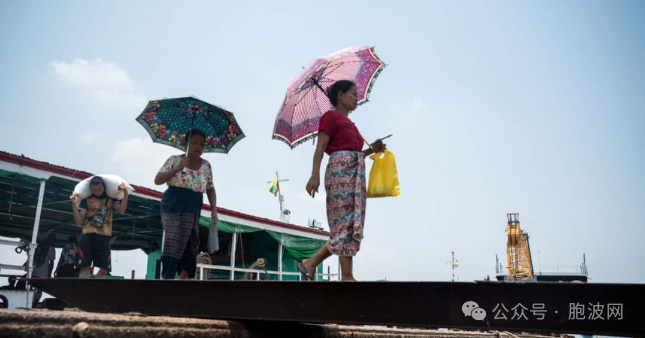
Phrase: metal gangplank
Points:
(570, 308)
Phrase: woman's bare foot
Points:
(347, 278)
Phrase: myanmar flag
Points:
(275, 187)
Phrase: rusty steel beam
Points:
(573, 308)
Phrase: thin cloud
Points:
(106, 81)
(139, 160)
(98, 141)
(319, 198)
(88, 137)
(416, 104)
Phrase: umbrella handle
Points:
(188, 146)
(184, 169)
(370, 145)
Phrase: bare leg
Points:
(346, 264)
(311, 263)
(183, 274)
(85, 272)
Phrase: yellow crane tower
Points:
(520, 265)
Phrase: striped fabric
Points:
(304, 103)
(345, 188)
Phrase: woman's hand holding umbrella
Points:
(378, 146)
(182, 164)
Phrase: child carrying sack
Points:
(384, 180)
(83, 190)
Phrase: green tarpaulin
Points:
(23, 177)
(296, 246)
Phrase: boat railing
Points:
(553, 269)
(258, 272)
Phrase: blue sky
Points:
(495, 107)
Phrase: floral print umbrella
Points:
(306, 101)
(168, 120)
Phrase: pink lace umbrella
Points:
(306, 101)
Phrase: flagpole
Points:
(280, 198)
(284, 213)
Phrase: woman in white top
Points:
(181, 206)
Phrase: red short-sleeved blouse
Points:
(343, 134)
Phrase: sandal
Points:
(303, 271)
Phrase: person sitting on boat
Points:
(44, 258)
(67, 263)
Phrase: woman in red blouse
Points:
(344, 180)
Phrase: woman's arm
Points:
(375, 147)
(164, 176)
(323, 140)
(211, 194)
(314, 181)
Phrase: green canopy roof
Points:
(137, 229)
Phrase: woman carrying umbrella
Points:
(344, 180)
(188, 177)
